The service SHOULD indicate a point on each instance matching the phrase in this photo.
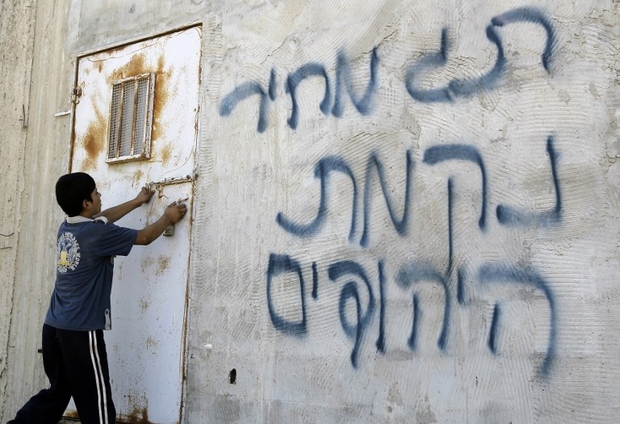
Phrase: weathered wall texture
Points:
(424, 202)
(405, 211)
(15, 67)
(36, 73)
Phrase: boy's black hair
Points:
(71, 191)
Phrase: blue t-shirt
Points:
(84, 267)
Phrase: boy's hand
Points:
(173, 214)
(145, 195)
(175, 211)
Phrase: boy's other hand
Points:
(145, 195)
(175, 211)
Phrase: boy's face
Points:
(93, 207)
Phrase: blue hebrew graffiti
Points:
(245, 90)
(414, 273)
(436, 154)
(450, 224)
(455, 88)
(340, 270)
(409, 276)
(412, 341)
(399, 224)
(498, 274)
(508, 215)
(528, 14)
(343, 78)
(294, 79)
(322, 171)
(241, 93)
(429, 62)
(453, 279)
(381, 339)
(315, 281)
(272, 85)
(494, 331)
(280, 264)
(460, 287)
(488, 81)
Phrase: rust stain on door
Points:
(161, 97)
(139, 415)
(148, 383)
(94, 140)
(135, 66)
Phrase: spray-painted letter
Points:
(341, 269)
(321, 171)
(496, 274)
(294, 79)
(280, 264)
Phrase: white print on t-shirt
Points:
(68, 253)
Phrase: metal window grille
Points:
(131, 118)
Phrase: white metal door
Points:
(147, 88)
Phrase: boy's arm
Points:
(117, 212)
(173, 214)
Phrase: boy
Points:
(74, 353)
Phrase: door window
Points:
(131, 119)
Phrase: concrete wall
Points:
(15, 68)
(36, 79)
(405, 211)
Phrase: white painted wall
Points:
(546, 138)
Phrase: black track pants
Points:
(76, 365)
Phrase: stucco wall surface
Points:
(405, 211)
(412, 214)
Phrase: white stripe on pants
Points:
(101, 389)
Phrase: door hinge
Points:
(76, 94)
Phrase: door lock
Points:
(169, 231)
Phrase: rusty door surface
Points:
(135, 124)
